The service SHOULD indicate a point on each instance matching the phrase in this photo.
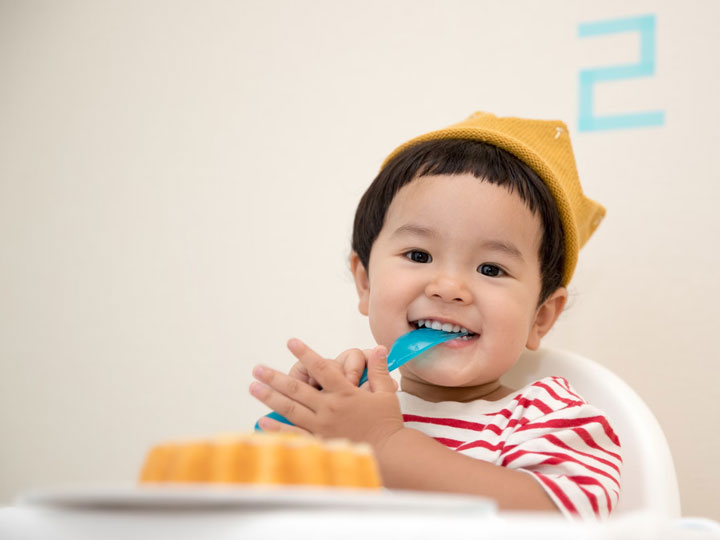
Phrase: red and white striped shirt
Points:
(545, 429)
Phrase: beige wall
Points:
(177, 182)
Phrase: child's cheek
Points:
(387, 323)
(382, 331)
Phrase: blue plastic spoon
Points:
(403, 350)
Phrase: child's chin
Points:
(440, 372)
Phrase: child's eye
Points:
(490, 270)
(418, 256)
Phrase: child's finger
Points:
(366, 385)
(287, 386)
(353, 362)
(270, 424)
(300, 372)
(296, 412)
(378, 375)
(326, 372)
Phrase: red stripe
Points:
(510, 447)
(555, 395)
(588, 439)
(451, 422)
(450, 443)
(527, 403)
(559, 493)
(556, 458)
(593, 500)
(557, 442)
(590, 481)
(507, 413)
(464, 424)
(481, 444)
(566, 385)
(571, 423)
(503, 412)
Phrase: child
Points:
(474, 228)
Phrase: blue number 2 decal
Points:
(645, 25)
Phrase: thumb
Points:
(378, 375)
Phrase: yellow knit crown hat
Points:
(544, 145)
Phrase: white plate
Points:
(186, 497)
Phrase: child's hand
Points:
(340, 409)
(353, 362)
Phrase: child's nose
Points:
(449, 289)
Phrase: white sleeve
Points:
(575, 456)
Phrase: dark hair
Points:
(459, 156)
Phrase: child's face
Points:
(457, 250)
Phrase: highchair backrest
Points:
(648, 475)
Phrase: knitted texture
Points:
(544, 145)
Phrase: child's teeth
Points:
(445, 327)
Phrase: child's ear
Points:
(545, 317)
(362, 282)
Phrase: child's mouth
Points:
(446, 327)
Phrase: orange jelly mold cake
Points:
(263, 458)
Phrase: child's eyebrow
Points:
(411, 228)
(505, 247)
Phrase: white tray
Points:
(193, 497)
